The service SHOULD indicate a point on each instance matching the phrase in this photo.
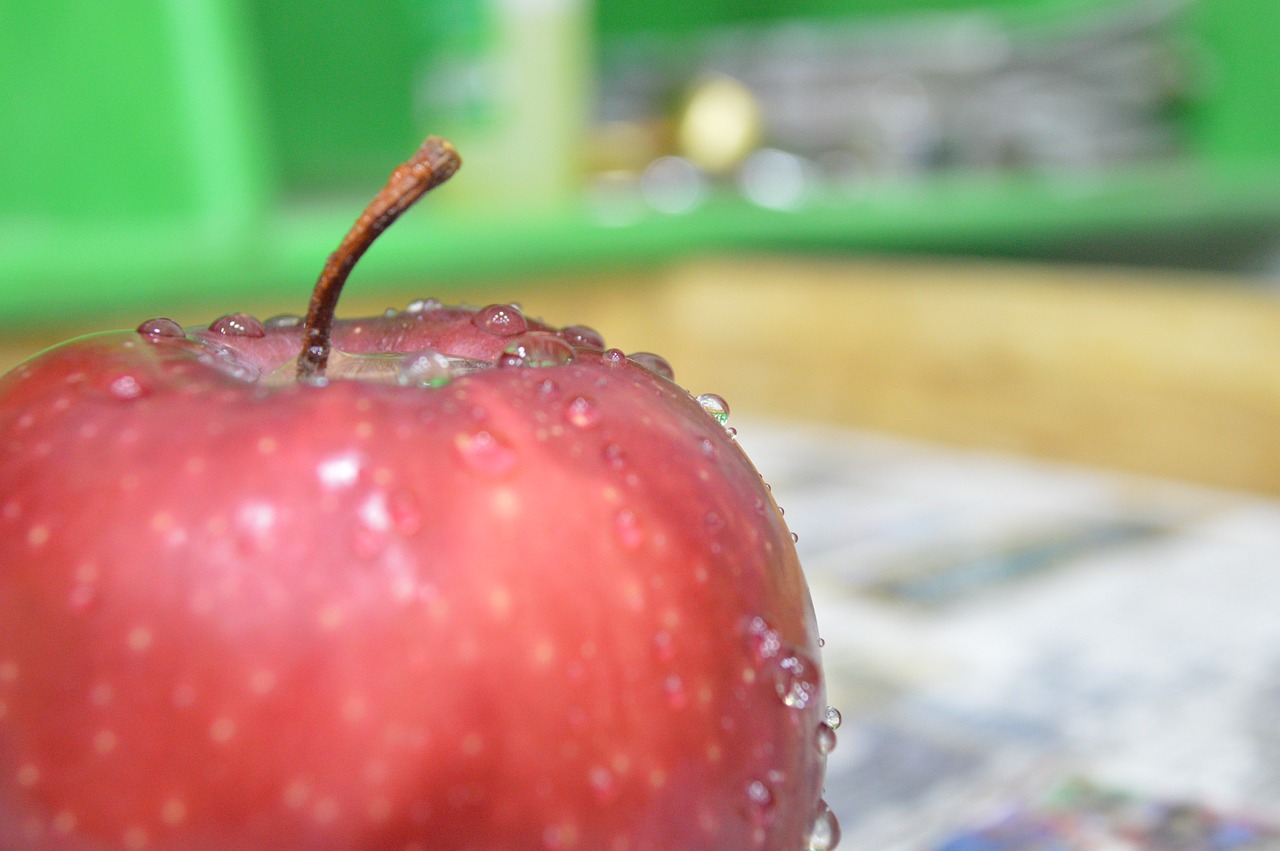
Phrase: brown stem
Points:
(432, 164)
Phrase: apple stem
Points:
(432, 164)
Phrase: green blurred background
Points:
(160, 147)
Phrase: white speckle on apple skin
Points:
(173, 812)
(105, 741)
(222, 730)
(139, 639)
(38, 535)
(28, 775)
(64, 822)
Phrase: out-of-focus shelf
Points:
(60, 274)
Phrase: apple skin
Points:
(540, 606)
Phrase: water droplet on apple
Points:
(161, 327)
(795, 537)
(762, 640)
(826, 739)
(127, 387)
(614, 357)
(582, 336)
(795, 678)
(760, 802)
(422, 305)
(583, 412)
(656, 364)
(484, 453)
(237, 325)
(716, 406)
(282, 320)
(363, 367)
(425, 369)
(537, 349)
(615, 456)
(824, 833)
(500, 320)
(833, 718)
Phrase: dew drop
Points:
(127, 387)
(237, 325)
(833, 718)
(484, 453)
(582, 337)
(795, 679)
(583, 412)
(283, 320)
(537, 349)
(656, 364)
(161, 327)
(615, 456)
(761, 802)
(425, 369)
(795, 537)
(422, 305)
(822, 642)
(500, 320)
(708, 447)
(614, 357)
(762, 640)
(716, 406)
(824, 833)
(825, 740)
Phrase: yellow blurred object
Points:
(719, 125)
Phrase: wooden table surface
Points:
(1173, 374)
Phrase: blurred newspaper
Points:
(1031, 656)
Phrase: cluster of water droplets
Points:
(795, 679)
(794, 675)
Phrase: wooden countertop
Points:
(1165, 373)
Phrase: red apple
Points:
(451, 578)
